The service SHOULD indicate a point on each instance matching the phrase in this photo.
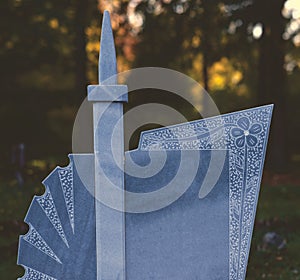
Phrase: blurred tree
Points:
(263, 20)
(43, 69)
(186, 28)
(191, 37)
(272, 83)
(49, 51)
(250, 33)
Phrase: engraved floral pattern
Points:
(245, 133)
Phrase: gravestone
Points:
(97, 221)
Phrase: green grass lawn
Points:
(278, 211)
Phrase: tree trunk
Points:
(80, 57)
(272, 80)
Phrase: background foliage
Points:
(245, 53)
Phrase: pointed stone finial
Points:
(107, 57)
(108, 89)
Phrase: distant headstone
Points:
(18, 162)
(176, 223)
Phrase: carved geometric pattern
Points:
(47, 204)
(31, 274)
(50, 223)
(34, 238)
(66, 180)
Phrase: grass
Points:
(278, 211)
(14, 202)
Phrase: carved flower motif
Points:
(245, 132)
